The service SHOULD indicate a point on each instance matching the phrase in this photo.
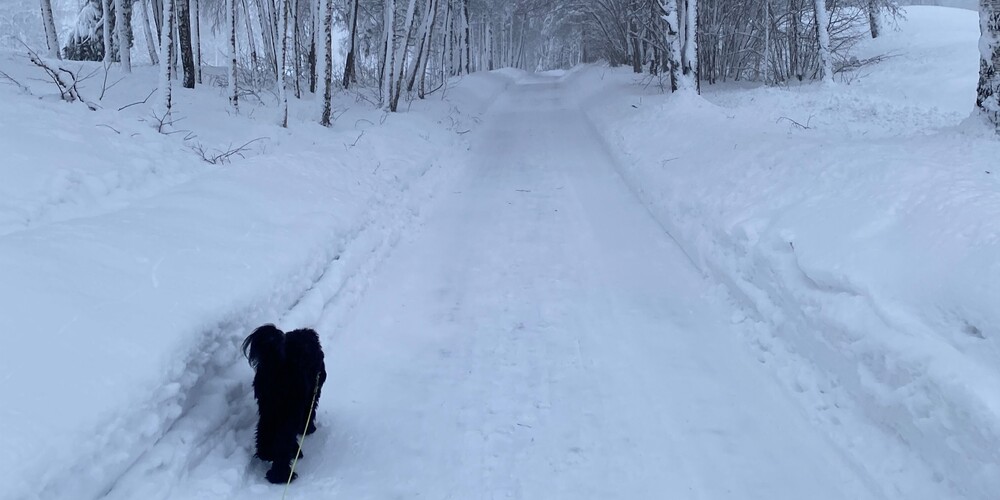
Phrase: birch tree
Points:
(123, 34)
(988, 91)
(196, 37)
(282, 46)
(400, 56)
(689, 58)
(389, 50)
(328, 64)
(350, 68)
(234, 96)
(166, 49)
(150, 40)
(107, 27)
(51, 36)
(823, 39)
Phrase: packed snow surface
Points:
(565, 285)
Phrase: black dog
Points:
(290, 374)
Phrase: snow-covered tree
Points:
(988, 91)
(86, 42)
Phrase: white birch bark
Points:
(51, 36)
(106, 28)
(196, 37)
(988, 90)
(672, 18)
(151, 44)
(689, 58)
(166, 48)
(389, 50)
(423, 47)
(328, 64)
(399, 57)
(823, 37)
(234, 96)
(121, 34)
(281, 46)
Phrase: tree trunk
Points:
(196, 38)
(234, 96)
(636, 55)
(166, 48)
(400, 57)
(282, 48)
(689, 58)
(468, 46)
(430, 43)
(388, 51)
(328, 65)
(448, 67)
(873, 17)
(106, 23)
(988, 91)
(823, 37)
(187, 51)
(794, 17)
(672, 19)
(349, 68)
(295, 49)
(423, 45)
(51, 35)
(150, 40)
(122, 35)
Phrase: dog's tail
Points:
(265, 342)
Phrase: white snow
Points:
(562, 285)
(863, 250)
(132, 268)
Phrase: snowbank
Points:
(132, 269)
(866, 245)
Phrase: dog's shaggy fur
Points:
(290, 371)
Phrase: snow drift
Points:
(857, 226)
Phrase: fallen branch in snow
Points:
(355, 143)
(151, 92)
(7, 78)
(110, 127)
(806, 126)
(67, 89)
(218, 156)
(854, 63)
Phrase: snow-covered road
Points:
(540, 336)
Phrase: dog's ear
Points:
(267, 338)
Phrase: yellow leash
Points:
(295, 461)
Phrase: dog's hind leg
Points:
(311, 428)
(280, 473)
(285, 448)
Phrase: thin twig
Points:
(151, 92)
